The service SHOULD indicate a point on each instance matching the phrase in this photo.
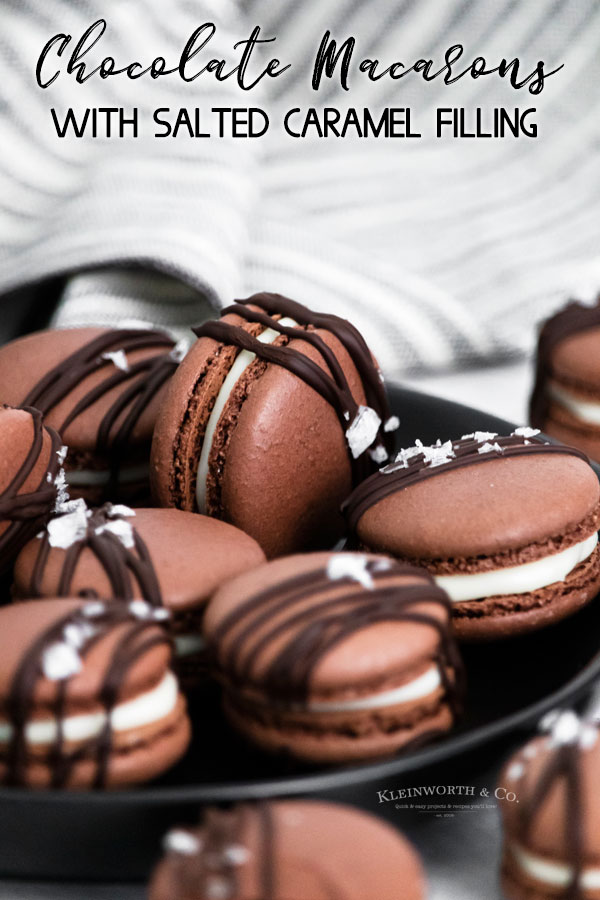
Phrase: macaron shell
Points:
(484, 509)
(507, 616)
(22, 623)
(562, 425)
(285, 464)
(368, 659)
(576, 359)
(184, 412)
(331, 740)
(192, 556)
(318, 851)
(25, 361)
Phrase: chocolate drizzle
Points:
(313, 627)
(28, 511)
(466, 452)
(573, 319)
(140, 382)
(330, 383)
(211, 871)
(21, 699)
(130, 571)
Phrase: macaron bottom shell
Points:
(508, 615)
(330, 738)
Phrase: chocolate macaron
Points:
(87, 698)
(167, 557)
(506, 525)
(273, 415)
(551, 812)
(566, 396)
(288, 850)
(31, 478)
(100, 389)
(332, 657)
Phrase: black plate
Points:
(117, 835)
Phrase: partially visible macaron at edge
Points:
(100, 389)
(31, 478)
(166, 557)
(565, 401)
(274, 414)
(87, 698)
(550, 807)
(335, 657)
(288, 849)
(506, 525)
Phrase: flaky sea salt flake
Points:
(66, 530)
(182, 842)
(526, 432)
(118, 358)
(60, 661)
(363, 430)
(350, 565)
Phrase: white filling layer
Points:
(554, 873)
(188, 644)
(143, 710)
(422, 686)
(518, 579)
(127, 475)
(241, 363)
(586, 410)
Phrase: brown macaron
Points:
(86, 695)
(565, 402)
(31, 478)
(273, 415)
(100, 389)
(166, 557)
(288, 850)
(506, 525)
(333, 657)
(550, 807)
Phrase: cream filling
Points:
(188, 644)
(241, 363)
(150, 707)
(126, 475)
(586, 410)
(422, 686)
(556, 874)
(518, 579)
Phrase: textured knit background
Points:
(443, 252)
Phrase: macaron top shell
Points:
(22, 624)
(290, 850)
(279, 616)
(482, 510)
(479, 496)
(556, 785)
(27, 360)
(191, 556)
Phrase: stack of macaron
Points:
(565, 402)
